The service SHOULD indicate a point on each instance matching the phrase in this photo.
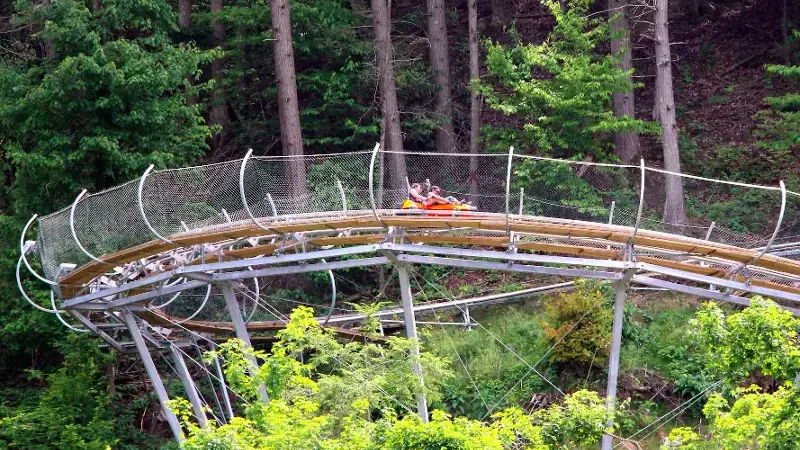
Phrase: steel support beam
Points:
(225, 396)
(705, 279)
(620, 294)
(152, 373)
(240, 327)
(223, 265)
(411, 333)
(188, 385)
(494, 254)
(508, 267)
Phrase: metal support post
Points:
(188, 385)
(225, 396)
(411, 333)
(508, 187)
(620, 295)
(521, 200)
(239, 326)
(152, 373)
(467, 317)
(341, 193)
(611, 212)
(710, 229)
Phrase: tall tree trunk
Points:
(95, 6)
(184, 22)
(219, 108)
(674, 214)
(499, 13)
(626, 143)
(288, 108)
(475, 101)
(185, 14)
(393, 138)
(440, 63)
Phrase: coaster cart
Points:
(438, 210)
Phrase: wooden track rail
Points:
(419, 229)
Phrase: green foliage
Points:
(578, 422)
(779, 126)
(579, 326)
(760, 339)
(73, 413)
(110, 102)
(559, 91)
(494, 370)
(753, 420)
(320, 404)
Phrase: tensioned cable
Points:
(500, 341)
(265, 306)
(577, 163)
(552, 347)
(211, 382)
(455, 350)
(175, 372)
(683, 407)
(202, 366)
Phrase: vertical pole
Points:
(710, 229)
(341, 194)
(611, 212)
(616, 344)
(508, 187)
(188, 385)
(152, 373)
(239, 326)
(467, 317)
(225, 396)
(521, 199)
(411, 333)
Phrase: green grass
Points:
(493, 368)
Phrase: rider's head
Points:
(417, 187)
(436, 189)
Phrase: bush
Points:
(579, 325)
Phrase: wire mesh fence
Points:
(190, 200)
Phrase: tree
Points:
(499, 13)
(390, 123)
(779, 126)
(219, 108)
(474, 96)
(288, 108)
(760, 342)
(440, 65)
(184, 14)
(560, 91)
(626, 142)
(348, 396)
(674, 213)
(109, 104)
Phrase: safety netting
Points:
(268, 189)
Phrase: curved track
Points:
(145, 260)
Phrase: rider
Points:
(435, 198)
(415, 193)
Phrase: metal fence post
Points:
(240, 327)
(372, 183)
(188, 385)
(411, 333)
(641, 201)
(775, 233)
(141, 207)
(508, 187)
(152, 373)
(620, 295)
